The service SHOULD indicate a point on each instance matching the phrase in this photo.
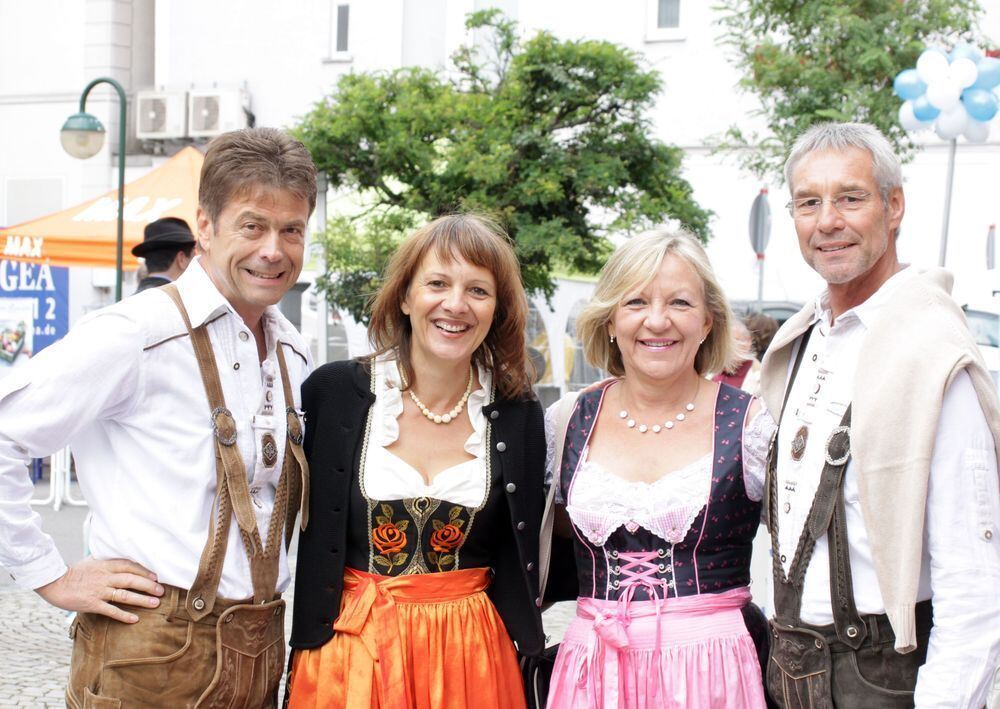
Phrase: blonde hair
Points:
(632, 266)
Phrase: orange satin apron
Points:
(427, 641)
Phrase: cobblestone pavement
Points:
(34, 650)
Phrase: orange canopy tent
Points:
(86, 235)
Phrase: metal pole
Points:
(121, 171)
(947, 202)
(322, 306)
(760, 283)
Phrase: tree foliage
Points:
(548, 136)
(809, 61)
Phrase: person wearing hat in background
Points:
(167, 248)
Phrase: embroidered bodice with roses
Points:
(412, 526)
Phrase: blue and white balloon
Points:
(964, 50)
(951, 92)
(981, 104)
(989, 73)
(976, 132)
(923, 109)
(932, 66)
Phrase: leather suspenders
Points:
(233, 494)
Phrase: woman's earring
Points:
(612, 339)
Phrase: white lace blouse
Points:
(388, 477)
(601, 501)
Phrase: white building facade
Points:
(277, 60)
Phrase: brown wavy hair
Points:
(482, 242)
(242, 160)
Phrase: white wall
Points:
(280, 54)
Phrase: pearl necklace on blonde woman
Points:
(451, 415)
(669, 424)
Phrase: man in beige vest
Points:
(882, 498)
(181, 407)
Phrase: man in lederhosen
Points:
(882, 496)
(180, 406)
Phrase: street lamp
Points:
(82, 136)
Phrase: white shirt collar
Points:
(866, 312)
(204, 302)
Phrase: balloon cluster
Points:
(953, 93)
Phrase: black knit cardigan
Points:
(336, 399)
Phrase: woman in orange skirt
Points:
(417, 571)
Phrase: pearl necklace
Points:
(656, 428)
(451, 415)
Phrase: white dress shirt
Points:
(960, 568)
(124, 391)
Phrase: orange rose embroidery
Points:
(446, 539)
(388, 539)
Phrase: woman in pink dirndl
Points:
(661, 476)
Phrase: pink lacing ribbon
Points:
(638, 570)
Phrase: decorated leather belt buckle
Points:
(294, 425)
(838, 445)
(224, 426)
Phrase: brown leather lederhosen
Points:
(198, 650)
(851, 663)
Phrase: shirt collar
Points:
(865, 312)
(204, 302)
(201, 298)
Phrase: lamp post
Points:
(82, 136)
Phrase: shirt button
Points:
(501, 446)
(988, 534)
(788, 507)
(520, 526)
(244, 336)
(236, 365)
(511, 487)
(782, 558)
(538, 602)
(531, 565)
(494, 415)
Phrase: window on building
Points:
(668, 13)
(663, 21)
(339, 38)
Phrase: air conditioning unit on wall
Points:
(215, 111)
(160, 115)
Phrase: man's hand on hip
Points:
(93, 586)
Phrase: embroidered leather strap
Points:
(563, 413)
(233, 492)
(293, 440)
(826, 516)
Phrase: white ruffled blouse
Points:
(601, 501)
(389, 477)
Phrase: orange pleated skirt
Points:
(428, 641)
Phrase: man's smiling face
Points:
(253, 250)
(846, 250)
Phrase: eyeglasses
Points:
(845, 203)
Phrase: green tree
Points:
(809, 61)
(548, 136)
